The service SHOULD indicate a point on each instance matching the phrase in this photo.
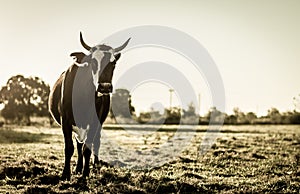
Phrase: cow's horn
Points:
(122, 47)
(83, 43)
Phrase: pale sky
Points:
(255, 44)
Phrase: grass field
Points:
(244, 159)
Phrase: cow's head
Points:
(101, 60)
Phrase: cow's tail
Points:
(54, 100)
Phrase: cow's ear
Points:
(117, 56)
(78, 56)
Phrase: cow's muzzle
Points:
(105, 88)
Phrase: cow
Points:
(80, 100)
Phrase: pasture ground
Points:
(244, 159)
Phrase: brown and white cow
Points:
(80, 101)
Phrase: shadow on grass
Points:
(11, 136)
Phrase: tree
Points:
(121, 104)
(274, 115)
(191, 111)
(172, 115)
(144, 117)
(24, 97)
(230, 119)
(295, 118)
(151, 117)
(251, 117)
(189, 116)
(240, 116)
(215, 116)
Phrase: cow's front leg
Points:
(87, 147)
(87, 155)
(69, 150)
(96, 147)
(79, 165)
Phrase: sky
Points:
(255, 45)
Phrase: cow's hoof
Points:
(96, 161)
(65, 177)
(78, 170)
(86, 173)
(82, 184)
(82, 179)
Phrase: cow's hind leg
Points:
(69, 150)
(79, 165)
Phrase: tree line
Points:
(26, 97)
(175, 115)
(123, 111)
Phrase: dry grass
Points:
(244, 159)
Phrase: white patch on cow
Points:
(81, 64)
(112, 56)
(80, 133)
(98, 56)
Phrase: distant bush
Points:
(295, 118)
(24, 97)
